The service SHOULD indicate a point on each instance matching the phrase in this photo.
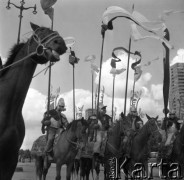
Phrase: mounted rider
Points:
(53, 121)
(171, 127)
(104, 123)
(136, 124)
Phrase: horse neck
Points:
(114, 138)
(143, 136)
(71, 135)
(16, 81)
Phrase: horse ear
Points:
(157, 118)
(148, 117)
(34, 26)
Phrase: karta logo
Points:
(116, 171)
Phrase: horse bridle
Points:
(42, 43)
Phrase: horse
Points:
(176, 157)
(112, 148)
(139, 152)
(64, 150)
(15, 77)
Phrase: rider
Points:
(135, 121)
(171, 126)
(134, 118)
(104, 123)
(53, 120)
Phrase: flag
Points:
(149, 62)
(72, 58)
(58, 90)
(47, 7)
(117, 71)
(166, 81)
(90, 58)
(137, 36)
(69, 41)
(137, 73)
(166, 13)
(94, 68)
(114, 12)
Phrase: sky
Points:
(82, 19)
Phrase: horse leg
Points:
(58, 170)
(68, 171)
(97, 169)
(88, 168)
(82, 168)
(39, 160)
(45, 167)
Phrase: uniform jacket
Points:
(55, 119)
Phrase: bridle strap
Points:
(39, 42)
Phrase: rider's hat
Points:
(101, 106)
(61, 103)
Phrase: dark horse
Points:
(139, 149)
(64, 150)
(176, 159)
(112, 149)
(15, 78)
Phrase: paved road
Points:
(29, 172)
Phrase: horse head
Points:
(81, 127)
(152, 123)
(47, 44)
(154, 128)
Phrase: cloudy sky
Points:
(82, 19)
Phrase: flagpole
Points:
(50, 64)
(92, 91)
(101, 58)
(113, 97)
(127, 76)
(73, 91)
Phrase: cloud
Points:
(150, 101)
(157, 91)
(120, 81)
(179, 58)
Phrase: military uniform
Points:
(53, 121)
(134, 119)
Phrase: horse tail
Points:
(39, 165)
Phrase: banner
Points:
(166, 81)
(47, 7)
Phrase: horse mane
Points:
(12, 54)
(73, 125)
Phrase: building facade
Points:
(176, 94)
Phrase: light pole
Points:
(22, 8)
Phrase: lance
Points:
(104, 28)
(92, 89)
(113, 97)
(74, 91)
(128, 62)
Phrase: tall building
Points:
(176, 96)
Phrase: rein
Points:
(41, 43)
(77, 144)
